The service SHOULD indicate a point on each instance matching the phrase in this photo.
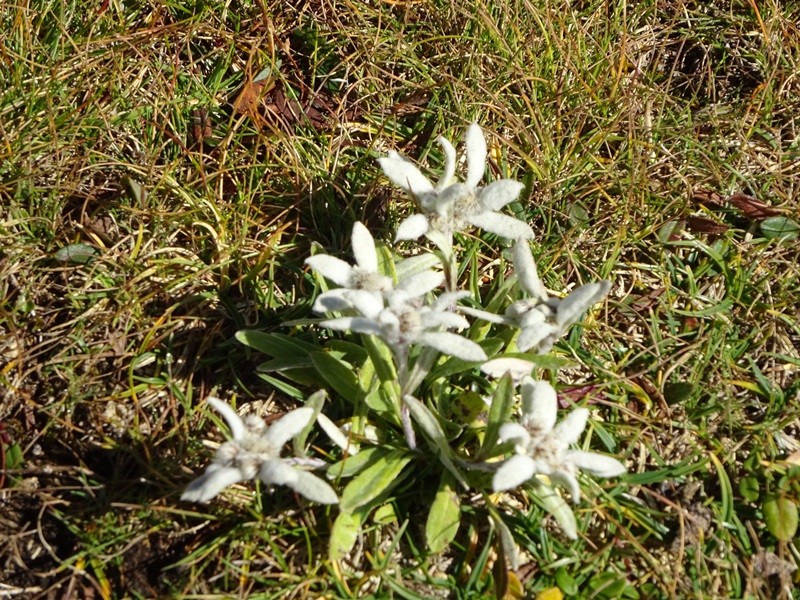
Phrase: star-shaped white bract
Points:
(253, 452)
(449, 207)
(542, 319)
(542, 446)
(364, 275)
(404, 321)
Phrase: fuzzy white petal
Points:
(502, 225)
(527, 274)
(497, 367)
(476, 155)
(233, 420)
(335, 434)
(369, 304)
(573, 306)
(331, 268)
(288, 426)
(277, 472)
(446, 320)
(571, 427)
(452, 344)
(599, 465)
(449, 165)
(499, 193)
(569, 481)
(532, 338)
(331, 301)
(514, 472)
(539, 404)
(412, 228)
(364, 248)
(211, 483)
(357, 324)
(312, 487)
(421, 283)
(482, 314)
(514, 432)
(448, 300)
(404, 174)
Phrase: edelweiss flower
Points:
(404, 321)
(542, 319)
(363, 276)
(255, 451)
(542, 446)
(364, 279)
(448, 207)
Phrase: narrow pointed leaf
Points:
(276, 345)
(314, 402)
(499, 413)
(444, 516)
(338, 375)
(435, 435)
(378, 478)
(550, 501)
(344, 534)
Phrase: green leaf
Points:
(350, 352)
(344, 533)
(553, 503)
(444, 516)
(680, 391)
(435, 435)
(282, 386)
(779, 227)
(315, 401)
(507, 543)
(566, 582)
(382, 399)
(670, 231)
(352, 465)
(76, 253)
(276, 345)
(338, 375)
(13, 456)
(381, 358)
(453, 365)
(378, 478)
(780, 516)
(283, 364)
(578, 215)
(749, 488)
(499, 413)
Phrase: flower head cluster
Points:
(542, 447)
(253, 452)
(395, 313)
(448, 206)
(542, 319)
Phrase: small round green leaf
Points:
(749, 488)
(780, 227)
(780, 516)
(75, 253)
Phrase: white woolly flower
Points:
(542, 319)
(405, 321)
(253, 452)
(542, 446)
(448, 207)
(364, 277)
